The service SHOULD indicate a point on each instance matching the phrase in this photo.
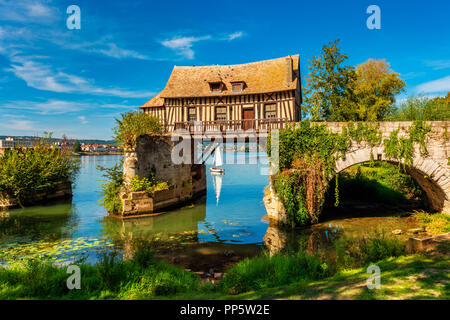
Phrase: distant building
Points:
(7, 143)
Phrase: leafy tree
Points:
(132, 125)
(77, 146)
(327, 92)
(374, 88)
(422, 108)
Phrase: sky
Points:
(76, 81)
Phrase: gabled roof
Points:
(259, 77)
(156, 101)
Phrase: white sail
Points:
(217, 180)
(218, 157)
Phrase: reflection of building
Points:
(259, 95)
(183, 221)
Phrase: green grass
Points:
(435, 223)
(110, 278)
(283, 276)
(404, 277)
(269, 271)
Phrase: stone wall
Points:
(153, 156)
(63, 191)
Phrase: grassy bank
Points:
(436, 223)
(405, 277)
(289, 276)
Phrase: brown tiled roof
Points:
(156, 101)
(259, 77)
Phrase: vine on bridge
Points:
(307, 161)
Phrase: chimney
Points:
(289, 69)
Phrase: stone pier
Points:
(153, 157)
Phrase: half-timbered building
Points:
(258, 95)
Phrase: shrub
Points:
(271, 271)
(111, 189)
(26, 172)
(148, 185)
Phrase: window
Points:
(221, 113)
(270, 111)
(237, 86)
(215, 86)
(192, 114)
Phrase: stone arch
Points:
(432, 177)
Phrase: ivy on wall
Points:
(307, 161)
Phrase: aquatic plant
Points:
(353, 251)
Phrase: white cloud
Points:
(114, 51)
(438, 64)
(183, 45)
(235, 35)
(15, 124)
(27, 11)
(83, 119)
(42, 76)
(439, 85)
(57, 107)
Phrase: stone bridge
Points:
(432, 172)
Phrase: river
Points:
(210, 233)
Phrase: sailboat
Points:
(218, 161)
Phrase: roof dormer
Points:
(216, 86)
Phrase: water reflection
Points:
(183, 220)
(41, 222)
(322, 236)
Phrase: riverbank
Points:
(418, 276)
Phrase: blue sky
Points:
(76, 81)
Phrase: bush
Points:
(148, 185)
(26, 172)
(132, 125)
(271, 271)
(111, 189)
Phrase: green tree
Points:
(132, 125)
(77, 146)
(422, 108)
(374, 90)
(328, 94)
